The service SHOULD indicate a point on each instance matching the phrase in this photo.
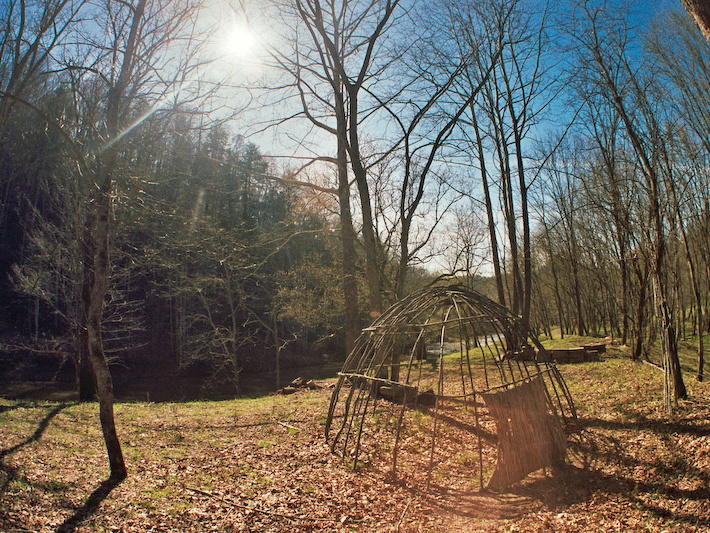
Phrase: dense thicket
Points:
(210, 256)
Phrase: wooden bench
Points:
(568, 355)
(594, 350)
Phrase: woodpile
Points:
(298, 384)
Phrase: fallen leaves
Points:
(263, 465)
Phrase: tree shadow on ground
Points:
(8, 472)
(600, 462)
(697, 426)
(89, 508)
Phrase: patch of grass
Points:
(638, 462)
(159, 493)
(420, 420)
(467, 459)
(569, 341)
(475, 355)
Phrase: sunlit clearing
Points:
(239, 42)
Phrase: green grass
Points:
(238, 449)
(570, 341)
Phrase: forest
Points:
(553, 157)
(218, 191)
(203, 199)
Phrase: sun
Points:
(239, 42)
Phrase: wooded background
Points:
(554, 156)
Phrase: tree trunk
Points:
(674, 388)
(86, 381)
(621, 226)
(85, 377)
(347, 238)
(97, 252)
(489, 210)
(95, 291)
(509, 213)
(372, 268)
(624, 297)
(642, 278)
(700, 11)
(526, 292)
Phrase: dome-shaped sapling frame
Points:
(448, 388)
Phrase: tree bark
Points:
(700, 11)
(370, 239)
(642, 277)
(86, 384)
(96, 279)
(98, 250)
(347, 238)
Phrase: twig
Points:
(256, 509)
(654, 365)
(401, 518)
(288, 426)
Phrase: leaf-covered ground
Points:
(263, 465)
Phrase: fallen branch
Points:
(654, 365)
(287, 426)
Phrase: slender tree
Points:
(629, 97)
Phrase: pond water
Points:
(159, 388)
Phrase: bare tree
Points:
(466, 245)
(630, 97)
(682, 60)
(121, 75)
(348, 61)
(30, 33)
(517, 91)
(333, 57)
(425, 141)
(605, 132)
(562, 191)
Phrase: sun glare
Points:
(240, 42)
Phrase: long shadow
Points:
(41, 428)
(575, 484)
(6, 408)
(10, 472)
(470, 428)
(657, 426)
(89, 508)
(92, 503)
(610, 449)
(570, 485)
